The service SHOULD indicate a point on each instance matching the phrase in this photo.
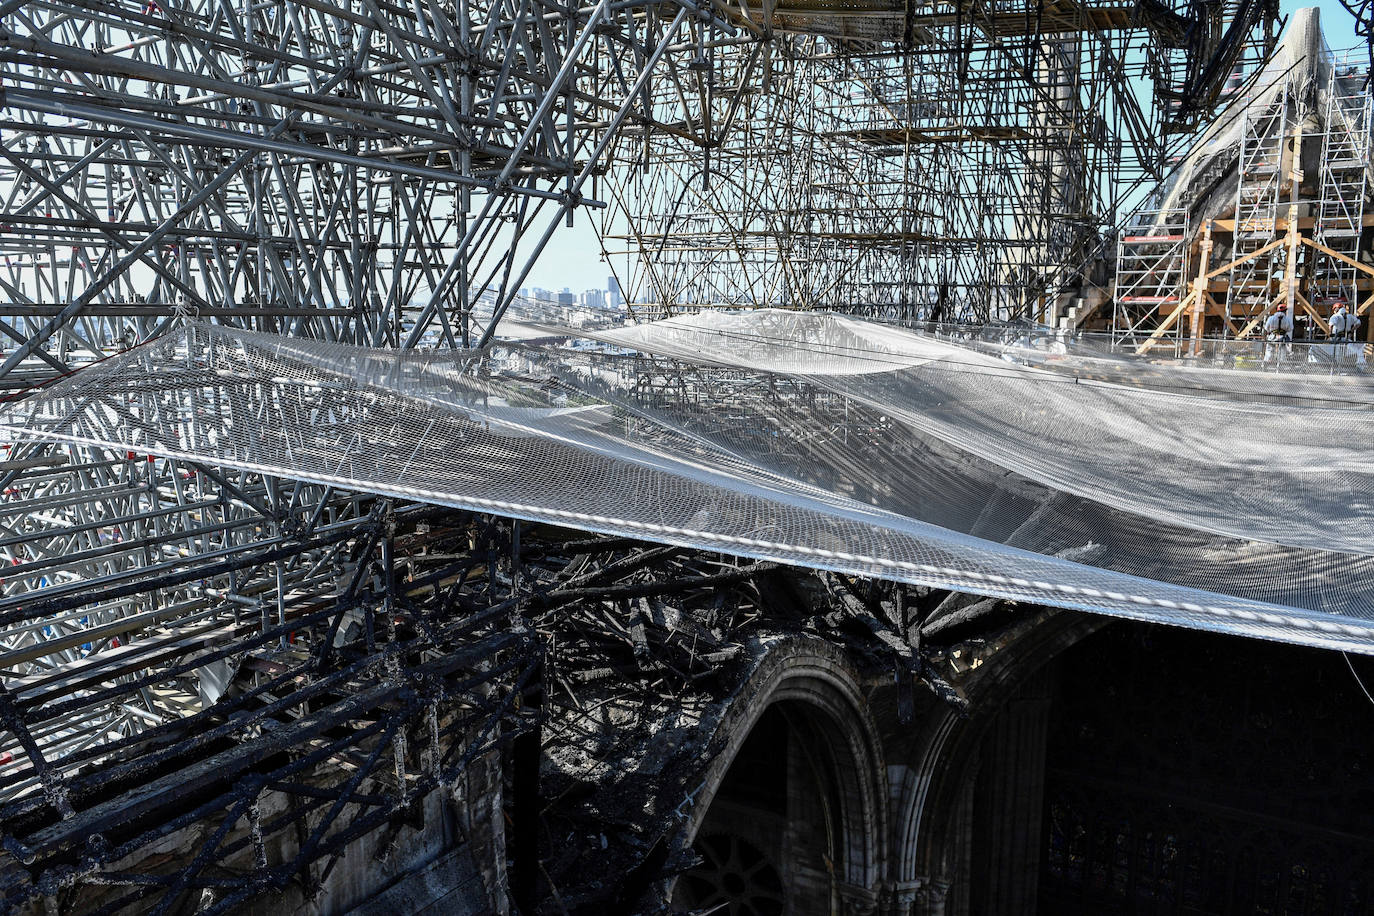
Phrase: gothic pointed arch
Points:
(790, 817)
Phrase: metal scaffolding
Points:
(387, 174)
(975, 174)
(357, 171)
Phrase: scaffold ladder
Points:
(1344, 185)
(1258, 189)
(1151, 254)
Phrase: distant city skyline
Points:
(608, 296)
(572, 259)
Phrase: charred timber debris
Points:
(592, 670)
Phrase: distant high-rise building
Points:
(567, 297)
(614, 295)
(594, 298)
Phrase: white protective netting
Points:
(811, 439)
(1272, 472)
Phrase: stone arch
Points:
(932, 800)
(806, 701)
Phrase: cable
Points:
(1349, 664)
(1364, 23)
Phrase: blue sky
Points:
(572, 259)
(1336, 22)
(573, 256)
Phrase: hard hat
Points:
(1340, 304)
(1283, 306)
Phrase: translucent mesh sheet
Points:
(1312, 383)
(1291, 475)
(689, 448)
(837, 443)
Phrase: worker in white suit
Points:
(1340, 322)
(1278, 335)
(1345, 328)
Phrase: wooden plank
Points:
(1167, 323)
(1338, 256)
(1249, 326)
(1251, 256)
(1281, 223)
(1364, 306)
(1308, 308)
